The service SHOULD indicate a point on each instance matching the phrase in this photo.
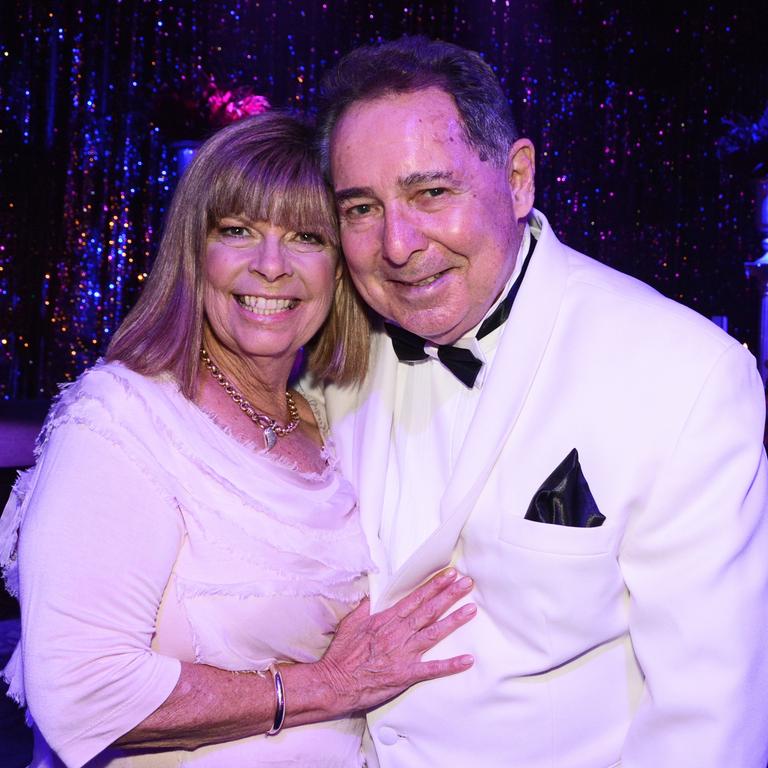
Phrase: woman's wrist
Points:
(310, 694)
(277, 679)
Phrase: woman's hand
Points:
(373, 658)
(370, 660)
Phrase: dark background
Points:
(623, 100)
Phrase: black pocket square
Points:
(564, 498)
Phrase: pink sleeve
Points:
(96, 549)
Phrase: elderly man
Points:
(589, 452)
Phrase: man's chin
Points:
(438, 331)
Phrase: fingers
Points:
(429, 589)
(433, 633)
(429, 610)
(429, 670)
(443, 589)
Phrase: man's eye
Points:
(435, 191)
(355, 211)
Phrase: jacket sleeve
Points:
(96, 549)
(695, 561)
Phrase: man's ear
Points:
(521, 169)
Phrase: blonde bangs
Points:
(282, 189)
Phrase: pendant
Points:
(270, 438)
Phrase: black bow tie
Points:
(461, 362)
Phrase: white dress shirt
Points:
(433, 411)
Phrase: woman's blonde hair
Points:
(263, 168)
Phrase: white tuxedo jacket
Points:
(640, 643)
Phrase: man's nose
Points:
(270, 259)
(403, 236)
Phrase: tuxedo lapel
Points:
(370, 446)
(521, 347)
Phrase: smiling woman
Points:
(257, 172)
(267, 290)
(186, 521)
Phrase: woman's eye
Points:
(309, 237)
(306, 242)
(233, 231)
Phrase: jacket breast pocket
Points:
(558, 539)
(555, 591)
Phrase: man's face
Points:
(429, 230)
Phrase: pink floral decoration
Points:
(227, 106)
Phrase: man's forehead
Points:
(412, 133)
(402, 117)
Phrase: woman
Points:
(185, 523)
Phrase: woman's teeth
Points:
(263, 306)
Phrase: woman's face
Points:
(268, 289)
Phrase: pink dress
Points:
(145, 535)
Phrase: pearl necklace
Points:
(271, 429)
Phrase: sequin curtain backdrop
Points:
(624, 106)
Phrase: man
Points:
(622, 587)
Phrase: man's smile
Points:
(421, 281)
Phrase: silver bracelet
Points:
(279, 699)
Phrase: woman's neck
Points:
(262, 381)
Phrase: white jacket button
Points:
(387, 735)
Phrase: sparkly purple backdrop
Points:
(623, 103)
